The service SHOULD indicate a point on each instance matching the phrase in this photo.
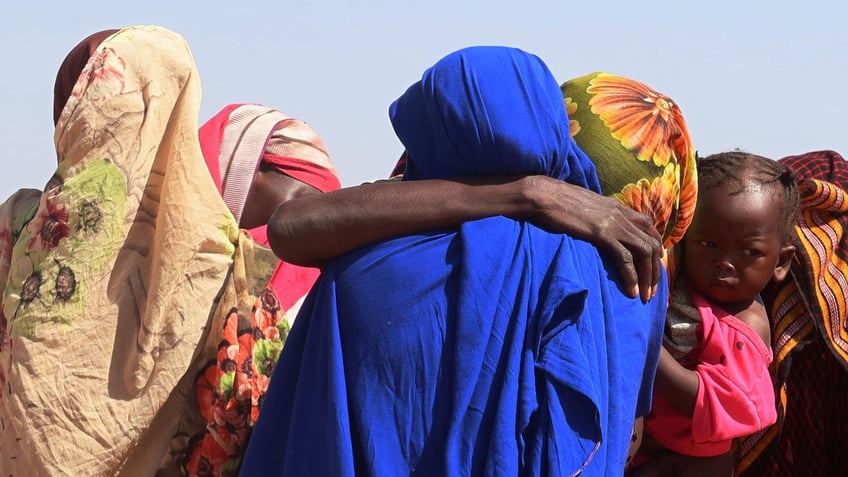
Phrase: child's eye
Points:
(707, 243)
(752, 252)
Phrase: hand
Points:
(629, 237)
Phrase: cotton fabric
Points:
(808, 317)
(122, 278)
(239, 138)
(735, 395)
(493, 349)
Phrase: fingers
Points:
(637, 251)
(628, 237)
(647, 252)
(624, 262)
(648, 271)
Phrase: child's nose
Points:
(724, 264)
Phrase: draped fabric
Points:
(71, 68)
(118, 278)
(822, 266)
(241, 136)
(809, 337)
(262, 295)
(110, 281)
(493, 349)
(638, 140)
(735, 395)
(235, 142)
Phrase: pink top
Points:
(735, 395)
(292, 147)
(290, 282)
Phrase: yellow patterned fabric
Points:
(107, 288)
(629, 130)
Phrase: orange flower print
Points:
(686, 202)
(646, 122)
(654, 198)
(105, 73)
(230, 391)
(573, 124)
(204, 390)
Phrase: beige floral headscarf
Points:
(109, 286)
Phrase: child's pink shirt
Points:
(735, 392)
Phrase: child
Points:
(713, 382)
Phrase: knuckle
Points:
(626, 256)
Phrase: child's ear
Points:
(783, 263)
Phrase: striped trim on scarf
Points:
(814, 296)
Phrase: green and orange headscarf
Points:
(638, 141)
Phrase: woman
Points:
(129, 292)
(260, 158)
(810, 340)
(489, 356)
(110, 282)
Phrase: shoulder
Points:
(755, 316)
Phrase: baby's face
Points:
(733, 246)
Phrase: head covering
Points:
(809, 312)
(234, 143)
(455, 101)
(500, 348)
(638, 140)
(71, 68)
(109, 292)
(820, 268)
(241, 136)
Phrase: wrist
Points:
(528, 197)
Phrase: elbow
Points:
(286, 242)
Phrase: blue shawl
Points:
(494, 349)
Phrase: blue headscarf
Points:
(469, 117)
(494, 349)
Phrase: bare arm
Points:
(755, 316)
(680, 385)
(311, 230)
(677, 384)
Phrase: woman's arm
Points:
(311, 230)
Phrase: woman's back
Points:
(431, 370)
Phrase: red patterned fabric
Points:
(234, 142)
(809, 334)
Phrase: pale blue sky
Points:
(765, 76)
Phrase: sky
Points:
(768, 77)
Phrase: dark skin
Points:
(308, 231)
(732, 250)
(270, 188)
